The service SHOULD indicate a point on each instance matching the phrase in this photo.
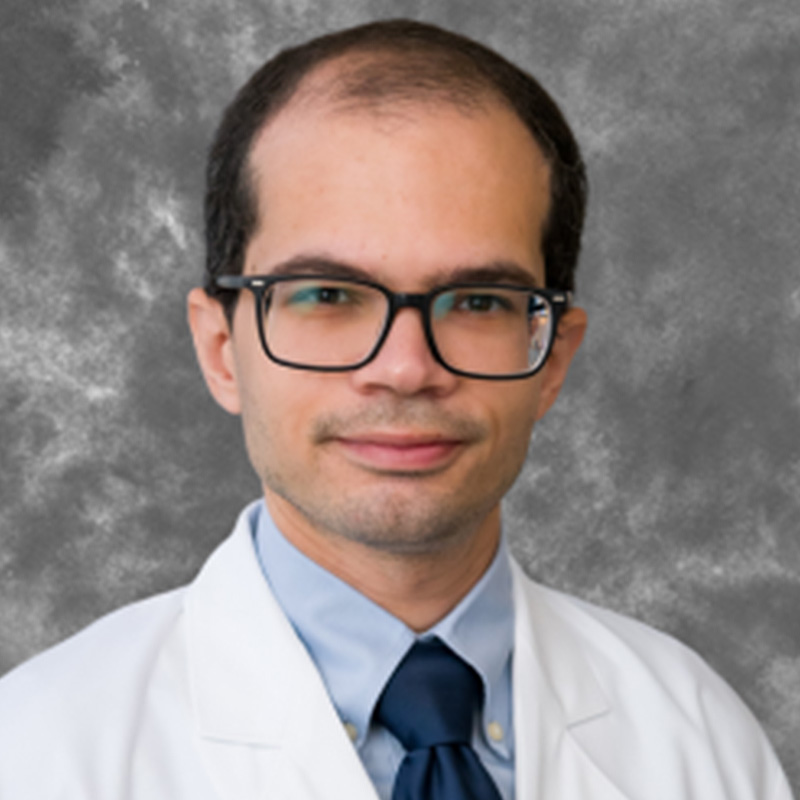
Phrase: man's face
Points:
(399, 454)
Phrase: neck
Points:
(418, 588)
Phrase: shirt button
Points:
(495, 731)
(351, 730)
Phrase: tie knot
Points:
(430, 698)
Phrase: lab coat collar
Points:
(556, 693)
(254, 685)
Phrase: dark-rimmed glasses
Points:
(489, 331)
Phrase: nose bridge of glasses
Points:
(402, 300)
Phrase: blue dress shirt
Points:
(356, 646)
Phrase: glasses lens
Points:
(491, 330)
(318, 322)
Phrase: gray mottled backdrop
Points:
(667, 483)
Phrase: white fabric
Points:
(206, 693)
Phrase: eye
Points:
(483, 303)
(476, 302)
(320, 295)
(307, 296)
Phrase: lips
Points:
(395, 452)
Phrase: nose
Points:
(405, 364)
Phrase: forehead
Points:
(404, 192)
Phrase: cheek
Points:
(277, 413)
(513, 412)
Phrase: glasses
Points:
(329, 324)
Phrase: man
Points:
(393, 221)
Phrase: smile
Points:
(400, 453)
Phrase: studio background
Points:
(666, 482)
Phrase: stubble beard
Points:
(405, 520)
(405, 514)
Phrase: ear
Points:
(571, 328)
(213, 344)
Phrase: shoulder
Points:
(117, 650)
(629, 657)
(93, 682)
(106, 650)
(650, 695)
(612, 640)
(76, 720)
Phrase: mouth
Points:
(400, 452)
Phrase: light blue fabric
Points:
(356, 645)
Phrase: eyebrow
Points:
(492, 272)
(318, 265)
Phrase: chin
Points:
(401, 522)
(400, 513)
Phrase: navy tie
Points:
(429, 705)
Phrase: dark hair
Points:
(395, 60)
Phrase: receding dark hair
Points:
(390, 61)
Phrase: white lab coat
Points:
(206, 693)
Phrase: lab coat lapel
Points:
(267, 728)
(266, 725)
(555, 694)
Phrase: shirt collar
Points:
(356, 645)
